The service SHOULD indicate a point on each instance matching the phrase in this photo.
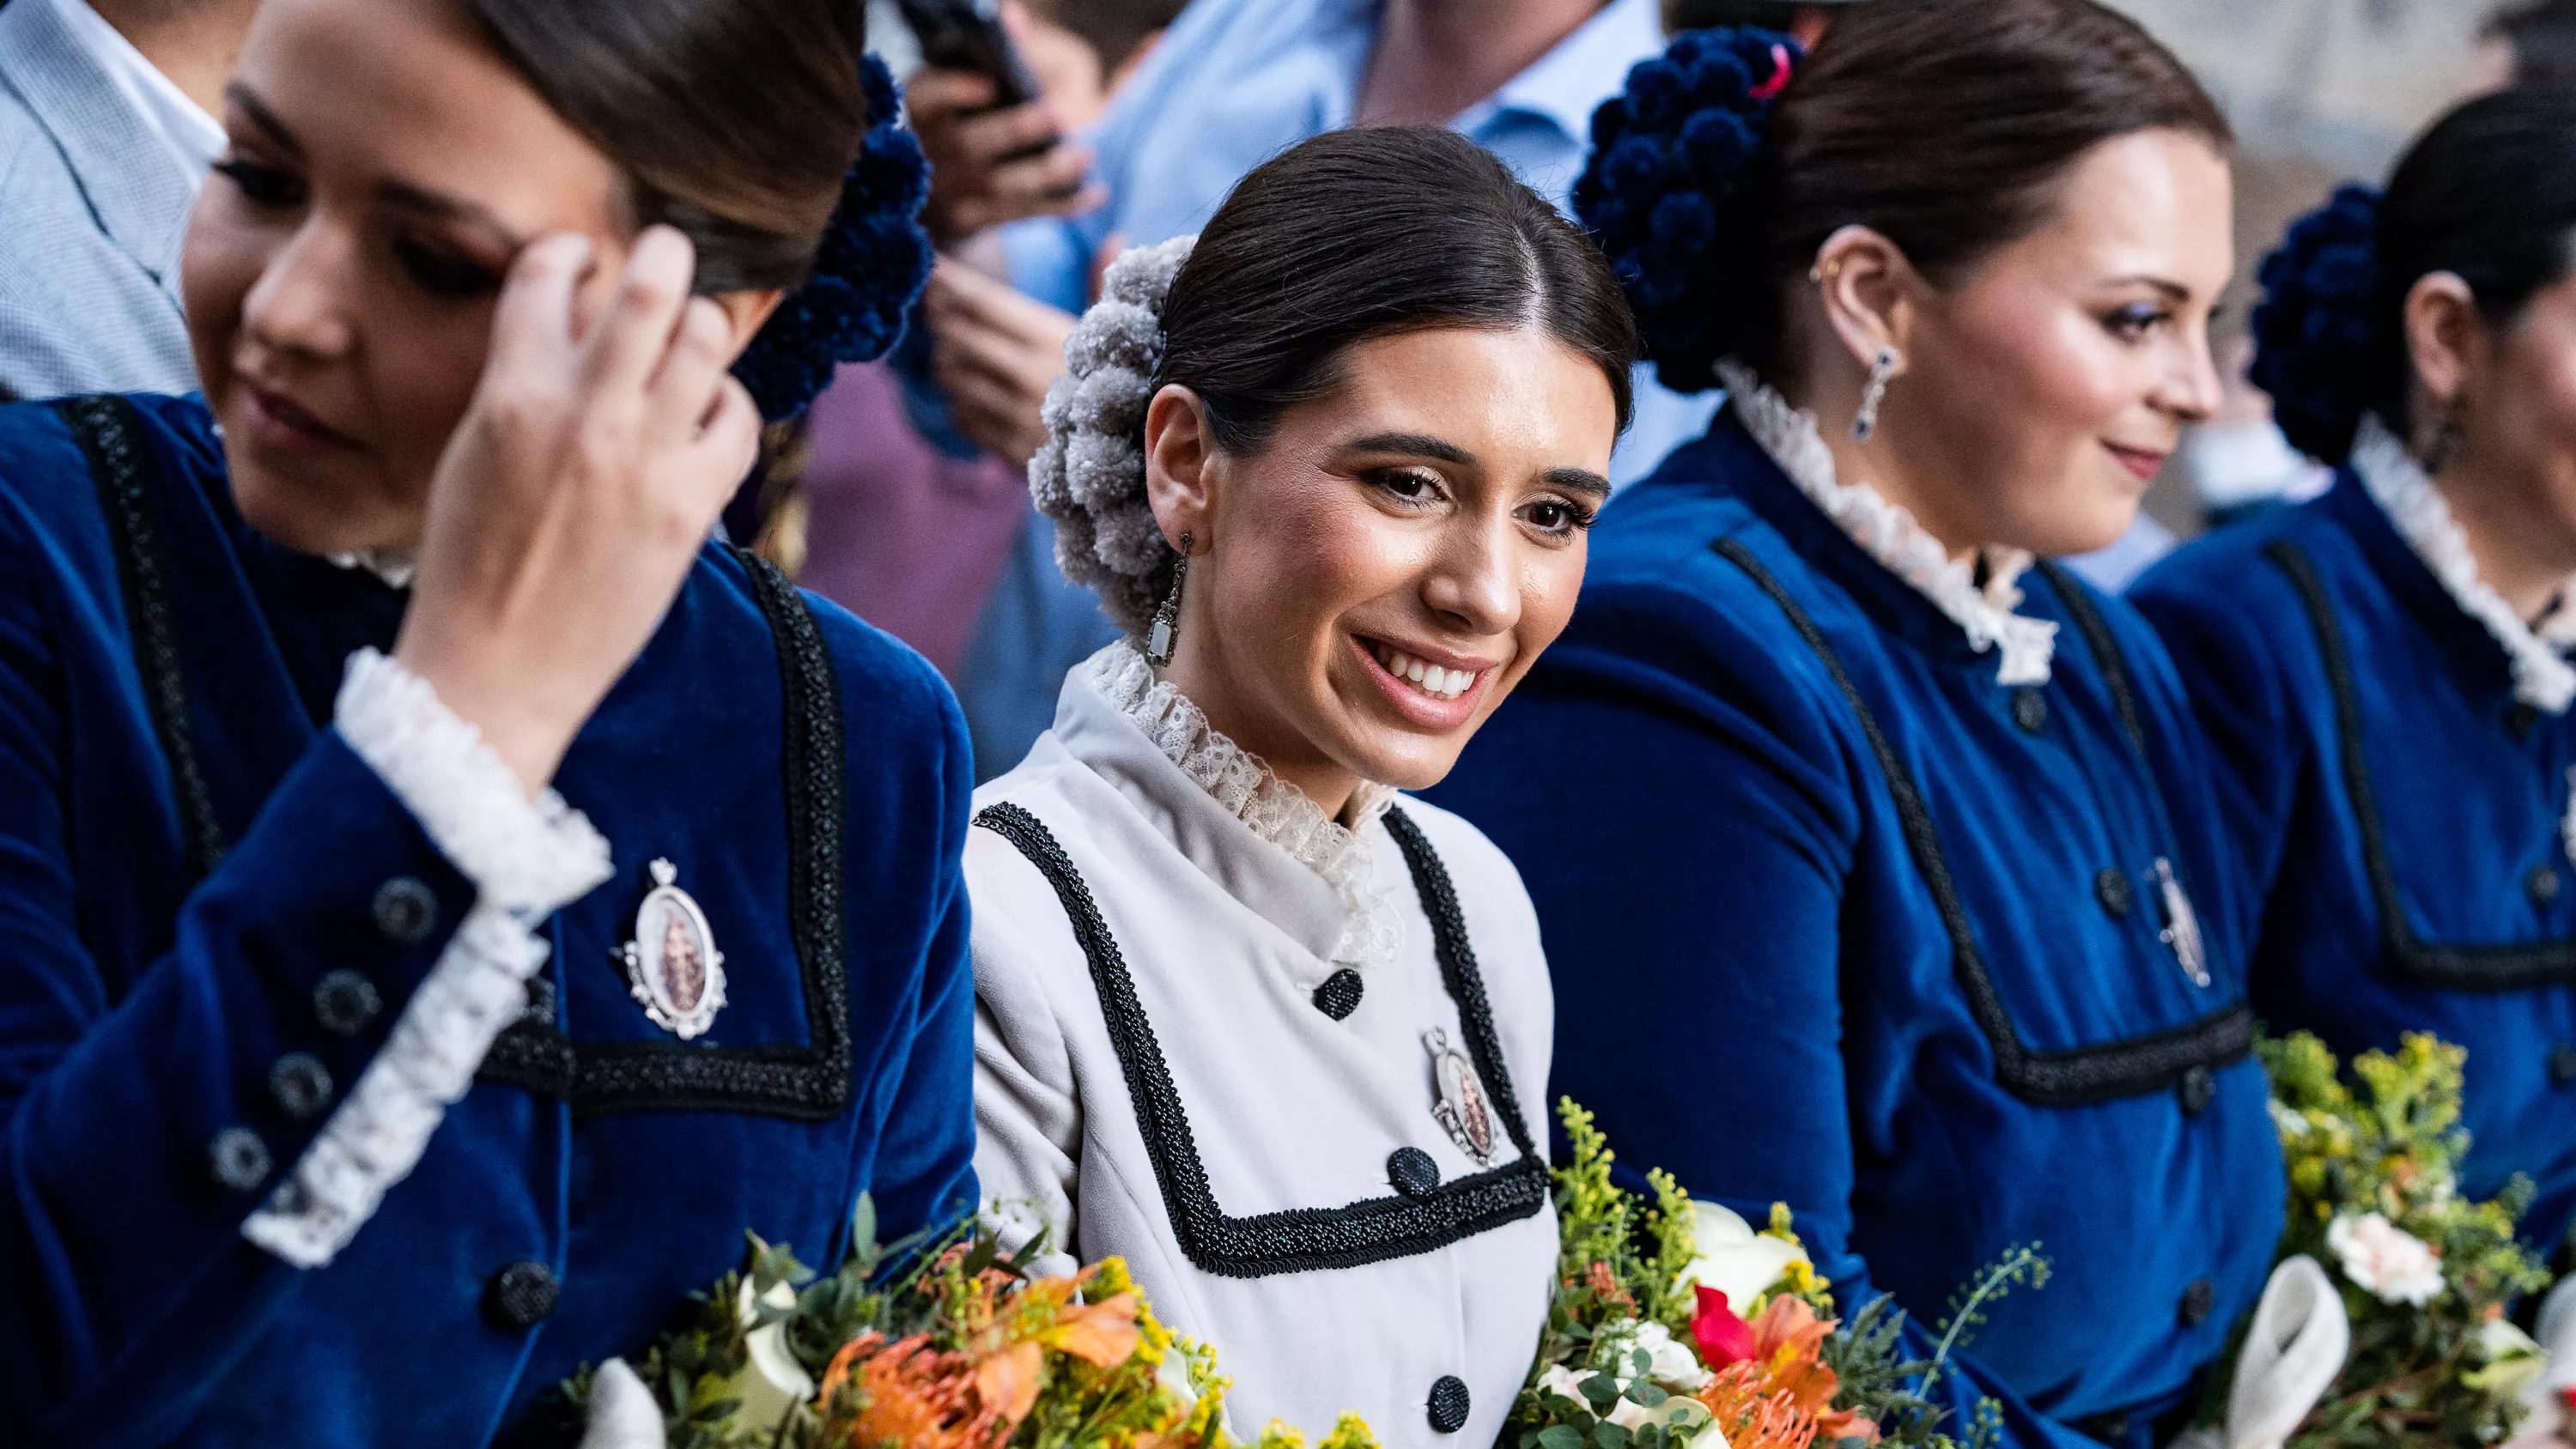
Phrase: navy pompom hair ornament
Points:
(873, 263)
(2317, 350)
(1668, 156)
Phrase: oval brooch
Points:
(673, 968)
(1458, 1099)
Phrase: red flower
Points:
(1722, 1337)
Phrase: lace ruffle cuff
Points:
(526, 858)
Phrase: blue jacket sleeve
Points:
(1688, 865)
(139, 1120)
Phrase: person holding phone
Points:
(445, 900)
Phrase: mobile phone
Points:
(967, 35)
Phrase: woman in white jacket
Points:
(1244, 1016)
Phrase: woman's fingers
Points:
(532, 320)
(628, 345)
(683, 388)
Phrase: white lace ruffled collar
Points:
(393, 567)
(1270, 807)
(1889, 534)
(2542, 677)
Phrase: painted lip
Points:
(279, 423)
(2143, 463)
(1424, 711)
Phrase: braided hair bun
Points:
(1669, 158)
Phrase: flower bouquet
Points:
(971, 1346)
(1674, 1323)
(2425, 1275)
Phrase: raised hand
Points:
(577, 489)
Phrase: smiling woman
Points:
(433, 877)
(1331, 465)
(1905, 830)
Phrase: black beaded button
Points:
(2197, 1087)
(301, 1085)
(238, 1159)
(406, 912)
(2198, 1302)
(344, 1002)
(521, 1295)
(2030, 710)
(2111, 888)
(2541, 885)
(540, 1010)
(1412, 1171)
(2562, 1064)
(1449, 1404)
(1340, 994)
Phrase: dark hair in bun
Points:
(2488, 194)
(763, 131)
(1942, 124)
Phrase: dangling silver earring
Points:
(2446, 441)
(1167, 619)
(1882, 368)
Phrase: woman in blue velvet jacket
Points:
(443, 902)
(2383, 671)
(1885, 880)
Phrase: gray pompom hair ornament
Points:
(1089, 474)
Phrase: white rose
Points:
(2385, 1259)
(2513, 1360)
(1734, 1259)
(1564, 1382)
(1672, 1363)
(773, 1379)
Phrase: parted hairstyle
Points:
(1945, 125)
(2488, 194)
(762, 131)
(1343, 239)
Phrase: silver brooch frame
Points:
(1458, 1099)
(673, 969)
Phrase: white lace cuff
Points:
(526, 859)
(527, 856)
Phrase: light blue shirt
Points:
(1234, 83)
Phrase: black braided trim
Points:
(2106, 649)
(120, 465)
(1300, 1240)
(2129, 1068)
(806, 1083)
(2410, 957)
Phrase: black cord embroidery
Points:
(2410, 957)
(110, 437)
(1302, 1239)
(2129, 1068)
(808, 1083)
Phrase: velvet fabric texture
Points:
(141, 1012)
(1757, 991)
(2470, 791)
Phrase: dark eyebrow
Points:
(262, 117)
(432, 204)
(1578, 480)
(2172, 289)
(1419, 445)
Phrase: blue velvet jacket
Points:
(1742, 879)
(808, 778)
(2399, 813)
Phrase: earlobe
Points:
(747, 313)
(1178, 448)
(1865, 284)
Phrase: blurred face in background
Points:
(385, 165)
(2511, 473)
(1372, 583)
(2042, 393)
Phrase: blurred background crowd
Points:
(907, 502)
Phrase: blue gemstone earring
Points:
(1881, 368)
(1167, 619)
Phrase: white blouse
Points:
(1277, 1179)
